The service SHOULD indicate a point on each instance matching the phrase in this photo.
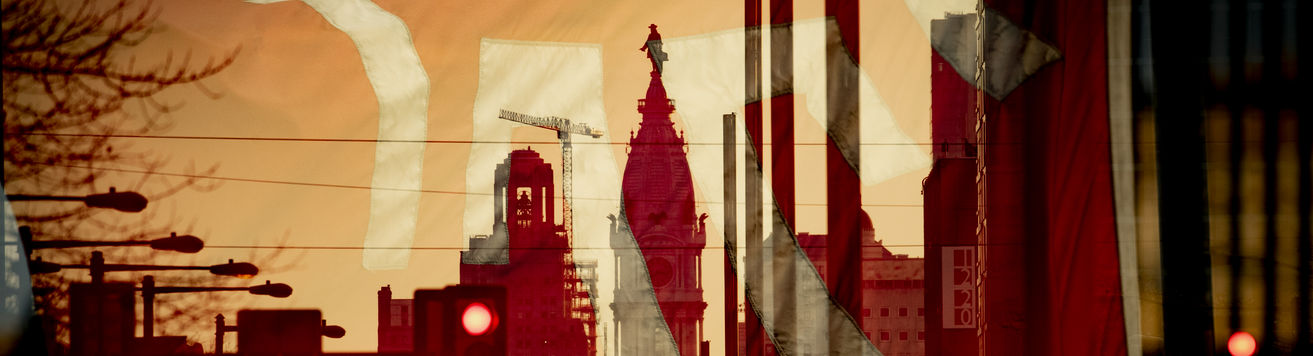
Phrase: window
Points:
(920, 335)
(884, 311)
(866, 312)
(884, 336)
(920, 311)
(902, 335)
(902, 311)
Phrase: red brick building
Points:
(893, 314)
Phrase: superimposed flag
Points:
(1011, 53)
(402, 88)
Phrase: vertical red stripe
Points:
(843, 190)
(1057, 126)
(753, 333)
(782, 187)
(782, 153)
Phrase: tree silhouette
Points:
(66, 71)
(71, 82)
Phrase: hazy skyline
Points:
(296, 76)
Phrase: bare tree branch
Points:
(68, 67)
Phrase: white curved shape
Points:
(402, 89)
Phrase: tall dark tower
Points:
(658, 203)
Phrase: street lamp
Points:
(98, 268)
(331, 331)
(130, 202)
(149, 290)
(184, 243)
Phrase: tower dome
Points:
(657, 186)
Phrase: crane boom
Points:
(551, 123)
(564, 128)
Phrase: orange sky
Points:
(298, 76)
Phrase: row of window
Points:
(893, 283)
(887, 335)
(884, 312)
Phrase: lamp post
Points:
(149, 290)
(129, 202)
(98, 268)
(176, 243)
(219, 329)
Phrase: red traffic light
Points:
(460, 320)
(1241, 344)
(477, 319)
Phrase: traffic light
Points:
(461, 320)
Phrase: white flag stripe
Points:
(1012, 54)
(704, 76)
(402, 89)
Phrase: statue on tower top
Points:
(653, 48)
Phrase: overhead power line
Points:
(365, 187)
(360, 140)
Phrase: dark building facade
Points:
(395, 322)
(950, 211)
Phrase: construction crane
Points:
(580, 304)
(564, 128)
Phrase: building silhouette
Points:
(657, 193)
(950, 210)
(395, 322)
(549, 295)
